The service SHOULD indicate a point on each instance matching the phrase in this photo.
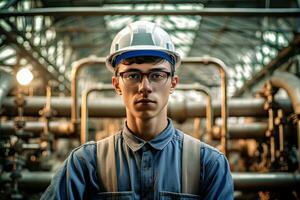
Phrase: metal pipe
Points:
(98, 11)
(242, 181)
(114, 107)
(196, 60)
(59, 128)
(265, 181)
(224, 108)
(104, 87)
(84, 109)
(209, 113)
(243, 131)
(6, 84)
(21, 147)
(34, 180)
(291, 84)
(76, 67)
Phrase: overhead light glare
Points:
(24, 76)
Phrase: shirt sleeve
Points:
(77, 177)
(216, 178)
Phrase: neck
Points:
(147, 129)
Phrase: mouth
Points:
(144, 101)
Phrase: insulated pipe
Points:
(62, 128)
(114, 108)
(76, 67)
(209, 113)
(37, 180)
(6, 84)
(21, 147)
(265, 181)
(243, 131)
(84, 109)
(59, 128)
(291, 84)
(224, 109)
(242, 181)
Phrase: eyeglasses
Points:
(133, 78)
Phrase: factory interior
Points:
(239, 85)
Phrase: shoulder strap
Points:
(190, 165)
(106, 163)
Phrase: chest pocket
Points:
(128, 195)
(177, 196)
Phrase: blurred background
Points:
(239, 85)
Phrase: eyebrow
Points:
(151, 70)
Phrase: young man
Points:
(149, 158)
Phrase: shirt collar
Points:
(159, 142)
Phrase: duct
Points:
(291, 84)
(59, 128)
(206, 60)
(242, 181)
(243, 131)
(6, 84)
(84, 110)
(209, 113)
(114, 107)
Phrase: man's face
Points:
(146, 98)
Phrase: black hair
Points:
(144, 59)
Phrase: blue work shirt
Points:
(145, 170)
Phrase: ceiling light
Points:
(24, 76)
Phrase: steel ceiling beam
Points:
(281, 58)
(33, 48)
(24, 52)
(12, 38)
(236, 45)
(210, 3)
(10, 4)
(76, 29)
(96, 11)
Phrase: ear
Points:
(174, 82)
(115, 83)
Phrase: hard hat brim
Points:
(143, 51)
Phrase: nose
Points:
(145, 85)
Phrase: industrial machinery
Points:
(261, 139)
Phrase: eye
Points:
(157, 76)
(132, 75)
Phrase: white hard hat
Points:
(142, 38)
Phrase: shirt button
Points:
(146, 147)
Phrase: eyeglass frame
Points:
(147, 74)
